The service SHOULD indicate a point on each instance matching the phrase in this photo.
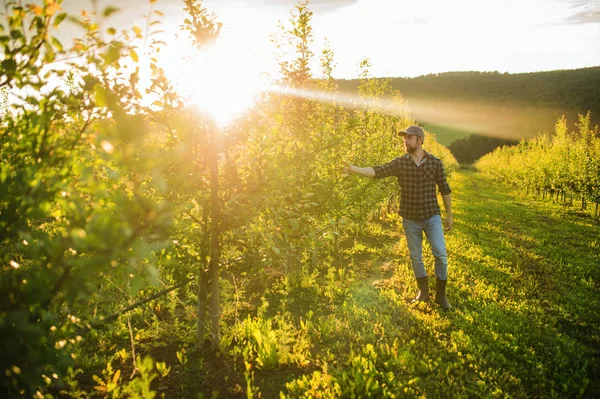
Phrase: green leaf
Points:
(59, 18)
(57, 44)
(111, 31)
(116, 377)
(136, 284)
(9, 66)
(113, 54)
(16, 34)
(108, 11)
(101, 100)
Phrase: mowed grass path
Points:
(525, 286)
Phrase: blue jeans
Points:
(435, 235)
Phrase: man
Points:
(418, 173)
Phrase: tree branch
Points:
(103, 321)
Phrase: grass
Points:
(446, 135)
(524, 282)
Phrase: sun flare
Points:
(220, 80)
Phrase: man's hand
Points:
(448, 223)
(367, 171)
(448, 206)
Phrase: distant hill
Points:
(456, 105)
(577, 89)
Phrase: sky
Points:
(401, 38)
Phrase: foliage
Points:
(111, 385)
(319, 384)
(566, 162)
(269, 343)
(73, 214)
(293, 46)
(201, 25)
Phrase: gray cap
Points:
(413, 130)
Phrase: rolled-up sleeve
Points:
(441, 180)
(387, 170)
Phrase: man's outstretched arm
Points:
(367, 171)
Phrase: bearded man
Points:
(418, 174)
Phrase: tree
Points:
(205, 29)
(72, 213)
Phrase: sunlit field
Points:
(178, 220)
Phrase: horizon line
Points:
(470, 71)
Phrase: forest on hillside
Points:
(577, 89)
(475, 112)
(469, 149)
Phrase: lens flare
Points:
(388, 106)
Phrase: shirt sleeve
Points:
(387, 170)
(441, 181)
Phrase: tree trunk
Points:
(202, 284)
(315, 254)
(215, 250)
(202, 297)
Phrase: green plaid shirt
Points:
(418, 199)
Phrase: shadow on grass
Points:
(538, 273)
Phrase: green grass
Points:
(445, 135)
(523, 280)
(524, 284)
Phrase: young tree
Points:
(72, 213)
(204, 29)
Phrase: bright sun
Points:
(220, 80)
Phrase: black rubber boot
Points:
(440, 294)
(423, 283)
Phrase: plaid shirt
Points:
(418, 199)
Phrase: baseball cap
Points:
(413, 130)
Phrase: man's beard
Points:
(409, 149)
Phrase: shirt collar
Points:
(425, 157)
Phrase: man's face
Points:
(411, 143)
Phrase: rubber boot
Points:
(423, 284)
(440, 294)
